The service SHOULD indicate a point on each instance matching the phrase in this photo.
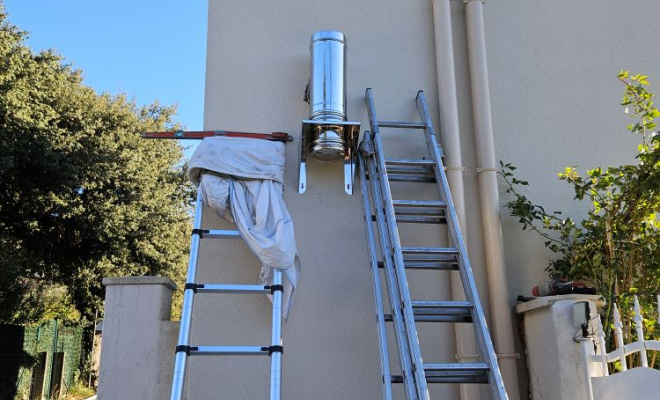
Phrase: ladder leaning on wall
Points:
(184, 349)
(381, 211)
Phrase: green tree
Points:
(616, 247)
(82, 196)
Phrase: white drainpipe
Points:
(502, 324)
(451, 144)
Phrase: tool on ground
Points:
(559, 286)
(397, 261)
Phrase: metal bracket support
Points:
(367, 146)
(480, 170)
(508, 355)
(351, 131)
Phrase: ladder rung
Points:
(450, 265)
(439, 251)
(442, 311)
(421, 219)
(410, 162)
(437, 318)
(443, 318)
(229, 351)
(399, 124)
(410, 178)
(419, 204)
(456, 368)
(429, 265)
(457, 373)
(430, 257)
(412, 170)
(471, 379)
(220, 234)
(221, 288)
(445, 305)
(418, 219)
(409, 175)
(420, 211)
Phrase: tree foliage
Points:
(616, 247)
(82, 196)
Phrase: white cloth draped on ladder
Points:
(242, 181)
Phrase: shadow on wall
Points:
(13, 359)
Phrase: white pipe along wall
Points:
(502, 321)
(451, 144)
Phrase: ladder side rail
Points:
(276, 340)
(401, 334)
(386, 375)
(406, 305)
(404, 292)
(186, 314)
(371, 111)
(465, 270)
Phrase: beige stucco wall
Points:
(138, 338)
(556, 99)
(555, 103)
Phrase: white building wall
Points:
(555, 103)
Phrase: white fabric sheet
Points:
(242, 181)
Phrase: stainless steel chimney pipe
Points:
(327, 92)
(327, 135)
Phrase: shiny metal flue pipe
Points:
(327, 134)
(327, 92)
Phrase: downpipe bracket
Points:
(480, 170)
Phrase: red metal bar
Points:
(274, 136)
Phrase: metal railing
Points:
(596, 359)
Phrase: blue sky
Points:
(148, 49)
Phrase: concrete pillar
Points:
(137, 357)
(554, 358)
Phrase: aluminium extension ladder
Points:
(397, 259)
(185, 350)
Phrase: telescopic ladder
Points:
(381, 211)
(184, 349)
